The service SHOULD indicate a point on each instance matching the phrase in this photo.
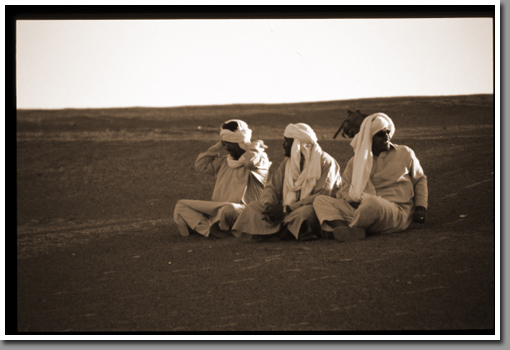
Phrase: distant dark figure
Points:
(350, 126)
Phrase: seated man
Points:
(240, 179)
(383, 187)
(285, 206)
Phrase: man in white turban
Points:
(285, 207)
(383, 187)
(240, 178)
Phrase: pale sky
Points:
(163, 63)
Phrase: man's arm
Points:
(273, 191)
(419, 180)
(208, 162)
(271, 197)
(255, 160)
(343, 193)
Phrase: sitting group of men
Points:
(382, 189)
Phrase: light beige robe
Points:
(302, 218)
(397, 184)
(233, 190)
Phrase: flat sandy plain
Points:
(97, 250)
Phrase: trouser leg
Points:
(378, 215)
(330, 209)
(228, 215)
(186, 217)
(302, 221)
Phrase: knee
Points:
(370, 206)
(320, 201)
(307, 213)
(178, 206)
(229, 211)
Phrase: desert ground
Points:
(97, 249)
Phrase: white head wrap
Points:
(305, 144)
(241, 136)
(363, 156)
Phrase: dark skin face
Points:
(274, 212)
(287, 145)
(381, 142)
(233, 148)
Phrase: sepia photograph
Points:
(255, 172)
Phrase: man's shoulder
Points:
(402, 148)
(258, 158)
(252, 153)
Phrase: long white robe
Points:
(396, 185)
(233, 190)
(302, 218)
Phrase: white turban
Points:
(363, 156)
(242, 135)
(305, 143)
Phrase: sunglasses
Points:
(382, 133)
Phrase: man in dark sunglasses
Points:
(383, 187)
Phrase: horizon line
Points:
(253, 103)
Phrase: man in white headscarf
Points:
(285, 207)
(240, 178)
(383, 187)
